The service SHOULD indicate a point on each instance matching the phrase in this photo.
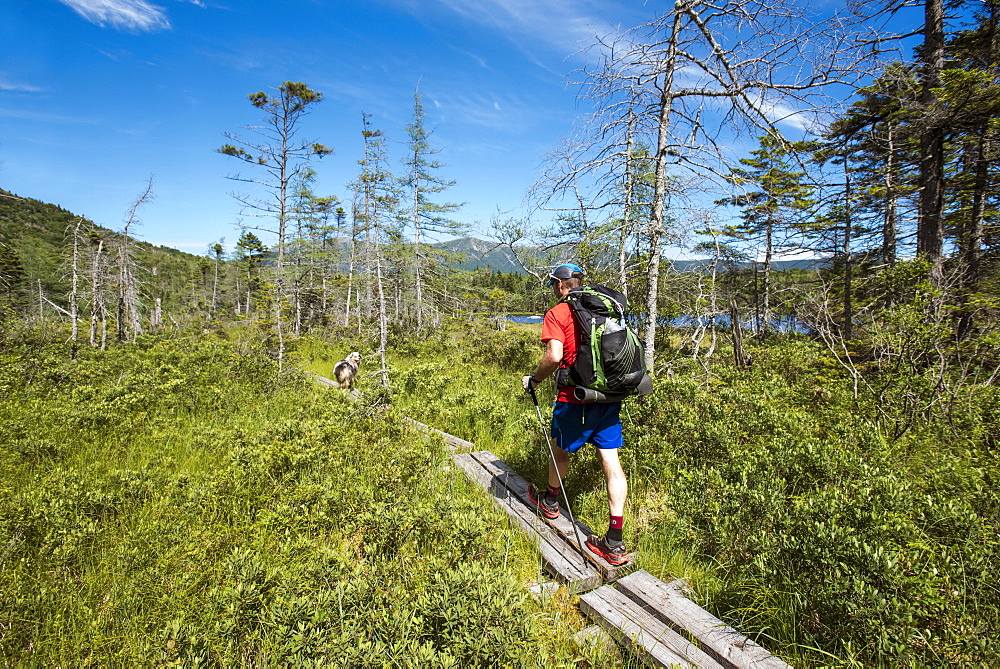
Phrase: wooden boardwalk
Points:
(653, 619)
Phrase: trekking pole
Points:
(552, 459)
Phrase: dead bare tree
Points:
(129, 324)
(686, 82)
(98, 282)
(707, 309)
(74, 293)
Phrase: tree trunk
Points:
(156, 318)
(74, 300)
(739, 354)
(657, 220)
(416, 249)
(768, 254)
(215, 283)
(889, 222)
(848, 326)
(350, 267)
(383, 320)
(96, 294)
(930, 225)
(971, 241)
(627, 207)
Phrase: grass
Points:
(786, 503)
(178, 502)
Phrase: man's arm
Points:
(549, 363)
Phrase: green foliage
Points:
(789, 504)
(177, 502)
(34, 244)
(177, 499)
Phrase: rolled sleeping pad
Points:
(588, 395)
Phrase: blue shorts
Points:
(573, 425)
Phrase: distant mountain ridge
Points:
(481, 254)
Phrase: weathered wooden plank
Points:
(635, 628)
(473, 470)
(451, 440)
(560, 559)
(518, 487)
(667, 602)
(352, 394)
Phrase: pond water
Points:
(778, 323)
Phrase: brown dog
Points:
(345, 370)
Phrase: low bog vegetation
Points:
(177, 502)
(802, 514)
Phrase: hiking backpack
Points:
(610, 356)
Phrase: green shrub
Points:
(177, 502)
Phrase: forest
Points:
(818, 459)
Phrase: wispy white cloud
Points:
(44, 117)
(559, 22)
(781, 113)
(11, 85)
(562, 25)
(133, 15)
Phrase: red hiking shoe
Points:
(549, 509)
(612, 551)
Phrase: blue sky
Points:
(96, 96)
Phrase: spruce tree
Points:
(423, 183)
(771, 193)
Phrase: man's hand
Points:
(529, 383)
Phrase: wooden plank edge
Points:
(519, 488)
(633, 628)
(559, 559)
(660, 631)
(667, 602)
(449, 439)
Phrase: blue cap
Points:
(565, 271)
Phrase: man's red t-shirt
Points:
(558, 324)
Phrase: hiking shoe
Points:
(612, 551)
(549, 509)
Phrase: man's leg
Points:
(562, 461)
(614, 476)
(610, 546)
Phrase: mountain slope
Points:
(36, 242)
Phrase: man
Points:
(575, 423)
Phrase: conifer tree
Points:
(250, 252)
(279, 155)
(423, 182)
(216, 250)
(772, 194)
(971, 93)
(378, 201)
